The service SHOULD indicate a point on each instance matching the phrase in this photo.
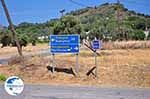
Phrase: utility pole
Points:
(121, 32)
(12, 27)
(118, 18)
(62, 12)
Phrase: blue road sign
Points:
(96, 44)
(64, 43)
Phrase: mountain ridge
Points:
(107, 19)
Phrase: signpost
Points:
(65, 44)
(96, 44)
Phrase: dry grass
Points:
(127, 45)
(130, 68)
(29, 48)
(107, 45)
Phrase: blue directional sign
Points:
(96, 44)
(64, 43)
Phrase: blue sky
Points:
(42, 10)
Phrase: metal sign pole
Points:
(77, 65)
(96, 45)
(96, 71)
(65, 44)
(53, 63)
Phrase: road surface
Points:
(5, 58)
(66, 92)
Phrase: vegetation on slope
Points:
(101, 22)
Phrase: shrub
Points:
(6, 40)
(138, 35)
(2, 77)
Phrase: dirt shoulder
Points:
(6, 51)
(125, 68)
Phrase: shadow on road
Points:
(64, 70)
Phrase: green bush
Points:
(5, 40)
(2, 77)
(138, 35)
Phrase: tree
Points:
(138, 35)
(6, 41)
(137, 22)
(96, 33)
(11, 27)
(67, 25)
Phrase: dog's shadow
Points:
(64, 70)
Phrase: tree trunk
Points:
(12, 27)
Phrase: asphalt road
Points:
(66, 92)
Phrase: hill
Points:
(106, 22)
(113, 20)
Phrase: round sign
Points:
(14, 86)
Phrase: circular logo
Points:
(14, 86)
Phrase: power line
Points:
(30, 12)
(78, 3)
(136, 3)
